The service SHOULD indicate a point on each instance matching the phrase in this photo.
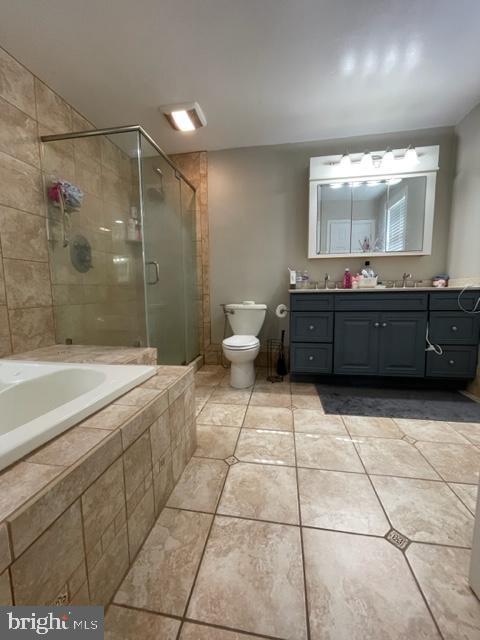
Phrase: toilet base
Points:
(242, 375)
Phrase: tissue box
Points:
(367, 283)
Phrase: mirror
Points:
(381, 215)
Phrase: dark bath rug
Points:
(422, 404)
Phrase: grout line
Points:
(402, 551)
(302, 546)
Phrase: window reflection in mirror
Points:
(371, 216)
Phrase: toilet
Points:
(241, 349)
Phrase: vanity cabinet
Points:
(383, 334)
(389, 344)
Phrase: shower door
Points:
(168, 221)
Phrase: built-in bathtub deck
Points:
(74, 513)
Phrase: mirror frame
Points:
(330, 169)
(314, 205)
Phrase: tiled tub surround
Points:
(87, 353)
(293, 524)
(74, 513)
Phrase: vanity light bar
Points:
(387, 160)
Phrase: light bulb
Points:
(388, 159)
(411, 156)
(345, 161)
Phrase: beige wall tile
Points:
(27, 284)
(21, 482)
(5, 589)
(18, 134)
(107, 574)
(140, 522)
(57, 157)
(102, 502)
(5, 343)
(162, 481)
(5, 555)
(160, 436)
(138, 465)
(41, 572)
(16, 84)
(69, 447)
(53, 112)
(31, 328)
(39, 513)
(23, 235)
(20, 185)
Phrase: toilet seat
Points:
(241, 343)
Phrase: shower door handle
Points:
(157, 271)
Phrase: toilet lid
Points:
(241, 342)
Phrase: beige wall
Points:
(258, 212)
(464, 249)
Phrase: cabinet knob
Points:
(451, 362)
(384, 324)
(311, 327)
(454, 328)
(376, 324)
(310, 357)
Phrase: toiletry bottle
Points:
(293, 278)
(306, 278)
(367, 270)
(347, 279)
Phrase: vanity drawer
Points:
(448, 300)
(311, 327)
(310, 358)
(453, 328)
(311, 301)
(398, 301)
(455, 362)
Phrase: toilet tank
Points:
(247, 317)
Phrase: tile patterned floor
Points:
(280, 525)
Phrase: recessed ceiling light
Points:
(186, 116)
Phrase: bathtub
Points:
(40, 400)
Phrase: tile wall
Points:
(195, 167)
(29, 290)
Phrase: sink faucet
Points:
(325, 280)
(405, 277)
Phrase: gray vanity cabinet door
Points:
(356, 343)
(402, 344)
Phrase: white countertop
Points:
(381, 289)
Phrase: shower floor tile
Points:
(352, 514)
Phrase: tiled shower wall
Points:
(28, 289)
(26, 107)
(195, 167)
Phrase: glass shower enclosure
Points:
(122, 243)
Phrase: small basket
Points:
(273, 348)
(367, 283)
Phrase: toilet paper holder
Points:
(282, 311)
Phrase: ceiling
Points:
(264, 71)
